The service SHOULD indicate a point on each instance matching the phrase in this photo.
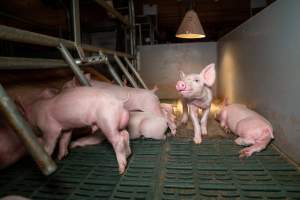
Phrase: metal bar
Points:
(114, 74)
(68, 58)
(135, 72)
(23, 130)
(30, 63)
(131, 20)
(9, 63)
(19, 35)
(112, 11)
(127, 74)
(140, 34)
(76, 22)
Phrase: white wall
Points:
(259, 64)
(160, 64)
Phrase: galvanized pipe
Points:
(132, 27)
(23, 130)
(76, 22)
(127, 74)
(9, 63)
(19, 35)
(114, 74)
(135, 72)
(68, 58)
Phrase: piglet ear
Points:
(181, 74)
(209, 74)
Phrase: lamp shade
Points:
(190, 27)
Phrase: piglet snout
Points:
(180, 85)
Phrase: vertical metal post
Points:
(140, 34)
(137, 75)
(23, 130)
(132, 27)
(69, 59)
(76, 22)
(127, 74)
(76, 28)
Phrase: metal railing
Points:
(8, 107)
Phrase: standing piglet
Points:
(79, 107)
(196, 93)
(139, 99)
(251, 127)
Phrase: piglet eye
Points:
(197, 80)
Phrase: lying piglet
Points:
(79, 107)
(147, 125)
(196, 93)
(139, 99)
(140, 124)
(251, 128)
(11, 147)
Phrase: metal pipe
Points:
(30, 63)
(23, 130)
(68, 58)
(76, 22)
(114, 74)
(135, 72)
(131, 16)
(9, 63)
(19, 35)
(112, 11)
(127, 74)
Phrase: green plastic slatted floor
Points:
(172, 169)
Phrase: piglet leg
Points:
(88, 140)
(64, 145)
(204, 121)
(248, 151)
(50, 138)
(258, 145)
(185, 116)
(120, 143)
(195, 120)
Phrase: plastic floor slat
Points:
(172, 169)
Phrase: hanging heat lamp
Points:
(190, 27)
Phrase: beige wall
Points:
(160, 64)
(259, 64)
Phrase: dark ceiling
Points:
(53, 17)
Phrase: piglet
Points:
(11, 147)
(148, 125)
(79, 107)
(139, 99)
(196, 93)
(252, 128)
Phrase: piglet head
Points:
(192, 84)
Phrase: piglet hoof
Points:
(246, 152)
(62, 155)
(173, 132)
(75, 145)
(122, 167)
(197, 140)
